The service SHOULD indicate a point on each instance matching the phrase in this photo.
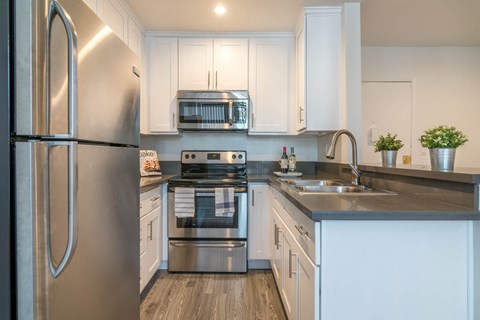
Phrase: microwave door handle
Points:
(57, 10)
(230, 112)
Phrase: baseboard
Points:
(259, 264)
(163, 265)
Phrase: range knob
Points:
(187, 156)
(240, 156)
(193, 156)
(234, 156)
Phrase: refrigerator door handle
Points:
(57, 10)
(72, 207)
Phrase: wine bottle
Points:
(284, 161)
(292, 161)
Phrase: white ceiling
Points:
(384, 22)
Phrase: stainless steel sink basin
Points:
(331, 187)
(314, 182)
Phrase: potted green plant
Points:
(388, 145)
(442, 142)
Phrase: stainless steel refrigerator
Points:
(75, 146)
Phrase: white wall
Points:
(258, 148)
(447, 90)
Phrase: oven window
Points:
(205, 216)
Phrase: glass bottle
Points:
(284, 161)
(292, 161)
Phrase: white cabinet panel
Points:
(308, 289)
(230, 64)
(116, 17)
(258, 222)
(213, 64)
(269, 84)
(134, 37)
(290, 267)
(195, 64)
(152, 258)
(161, 85)
(319, 61)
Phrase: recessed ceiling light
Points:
(220, 9)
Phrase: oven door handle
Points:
(183, 244)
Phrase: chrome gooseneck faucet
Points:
(354, 165)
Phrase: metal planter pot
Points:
(389, 158)
(442, 159)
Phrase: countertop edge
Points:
(467, 214)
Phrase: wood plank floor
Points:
(213, 296)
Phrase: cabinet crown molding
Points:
(185, 34)
(323, 10)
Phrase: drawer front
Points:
(305, 230)
(150, 200)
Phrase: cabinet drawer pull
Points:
(151, 230)
(208, 79)
(155, 199)
(253, 198)
(290, 260)
(301, 230)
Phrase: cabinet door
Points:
(195, 57)
(152, 258)
(162, 85)
(290, 267)
(230, 60)
(143, 245)
(258, 222)
(116, 17)
(308, 289)
(276, 258)
(300, 123)
(323, 34)
(134, 37)
(269, 84)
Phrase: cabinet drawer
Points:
(150, 200)
(305, 230)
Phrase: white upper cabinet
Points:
(319, 69)
(230, 63)
(134, 37)
(213, 64)
(161, 69)
(270, 77)
(116, 17)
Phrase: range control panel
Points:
(214, 157)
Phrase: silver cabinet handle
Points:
(275, 235)
(208, 80)
(173, 120)
(57, 10)
(302, 230)
(301, 113)
(253, 119)
(155, 199)
(253, 198)
(151, 230)
(216, 80)
(290, 260)
(72, 227)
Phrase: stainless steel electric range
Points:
(205, 241)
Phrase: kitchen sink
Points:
(331, 187)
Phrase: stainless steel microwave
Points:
(212, 110)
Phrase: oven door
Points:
(204, 224)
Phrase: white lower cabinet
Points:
(150, 215)
(258, 221)
(297, 277)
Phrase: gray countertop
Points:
(465, 175)
(154, 180)
(398, 206)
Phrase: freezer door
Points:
(78, 231)
(82, 82)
